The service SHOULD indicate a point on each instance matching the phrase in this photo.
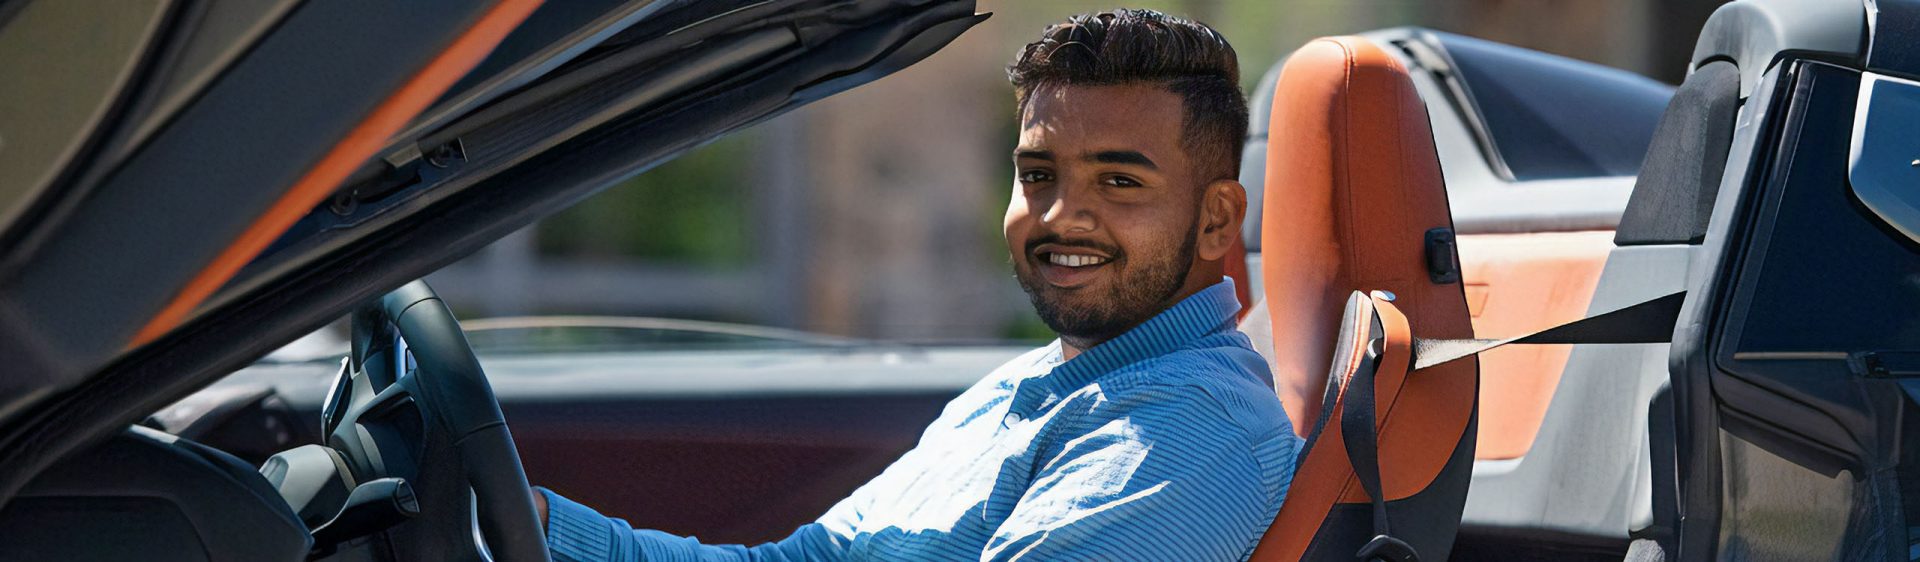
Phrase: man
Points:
(1150, 429)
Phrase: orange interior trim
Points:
(366, 138)
(1517, 284)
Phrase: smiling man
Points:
(1150, 429)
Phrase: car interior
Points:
(1574, 453)
(1406, 185)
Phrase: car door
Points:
(1795, 410)
(259, 168)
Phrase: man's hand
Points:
(540, 507)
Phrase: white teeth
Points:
(1074, 260)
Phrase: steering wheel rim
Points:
(452, 392)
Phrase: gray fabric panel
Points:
(1896, 29)
(1674, 196)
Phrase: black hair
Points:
(1131, 46)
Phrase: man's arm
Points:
(1157, 474)
(576, 533)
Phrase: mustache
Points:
(1107, 249)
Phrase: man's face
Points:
(1102, 223)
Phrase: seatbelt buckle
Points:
(1387, 549)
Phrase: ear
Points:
(1223, 205)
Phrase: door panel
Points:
(1776, 510)
(1817, 293)
(728, 470)
(1517, 284)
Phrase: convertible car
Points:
(182, 201)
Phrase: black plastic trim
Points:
(1442, 265)
(187, 502)
(1696, 411)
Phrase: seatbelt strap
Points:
(1647, 322)
(1361, 437)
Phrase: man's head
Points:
(1124, 198)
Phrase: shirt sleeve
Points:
(577, 533)
(1157, 474)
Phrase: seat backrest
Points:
(1353, 189)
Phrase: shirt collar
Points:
(1201, 314)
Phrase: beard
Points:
(1129, 299)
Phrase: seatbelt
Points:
(1361, 437)
(1646, 322)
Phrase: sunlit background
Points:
(876, 213)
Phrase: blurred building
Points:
(877, 212)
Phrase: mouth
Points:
(1069, 267)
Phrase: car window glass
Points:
(1831, 269)
(1554, 117)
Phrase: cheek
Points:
(1015, 226)
(1151, 238)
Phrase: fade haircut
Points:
(1145, 46)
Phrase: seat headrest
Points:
(1353, 186)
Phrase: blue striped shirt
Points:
(1165, 443)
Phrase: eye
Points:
(1035, 176)
(1121, 181)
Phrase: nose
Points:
(1067, 212)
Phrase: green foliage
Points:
(693, 210)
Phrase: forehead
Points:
(1140, 117)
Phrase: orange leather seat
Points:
(1353, 186)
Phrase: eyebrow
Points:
(1132, 157)
(1123, 157)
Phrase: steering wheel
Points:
(415, 405)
